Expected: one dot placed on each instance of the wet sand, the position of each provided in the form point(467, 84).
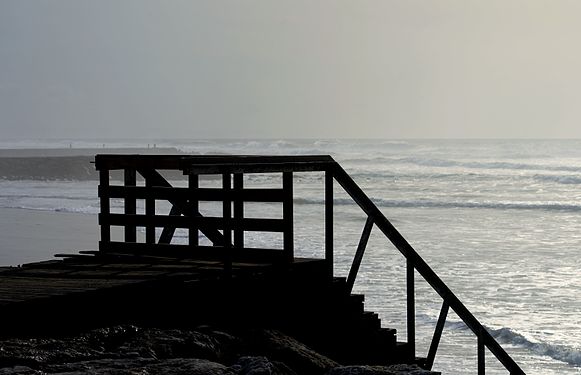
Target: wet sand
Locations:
point(29, 236)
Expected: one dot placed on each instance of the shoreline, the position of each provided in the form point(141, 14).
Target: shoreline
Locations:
point(33, 235)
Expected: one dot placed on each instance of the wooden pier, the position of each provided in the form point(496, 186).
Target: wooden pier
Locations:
point(140, 274)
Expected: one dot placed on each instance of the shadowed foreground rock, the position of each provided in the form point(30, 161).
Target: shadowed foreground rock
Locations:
point(131, 350)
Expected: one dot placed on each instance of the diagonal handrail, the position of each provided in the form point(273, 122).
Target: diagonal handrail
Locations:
point(417, 262)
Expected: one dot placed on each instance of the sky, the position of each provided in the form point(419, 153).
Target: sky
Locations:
point(290, 69)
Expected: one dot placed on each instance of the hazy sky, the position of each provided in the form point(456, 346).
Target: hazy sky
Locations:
point(302, 69)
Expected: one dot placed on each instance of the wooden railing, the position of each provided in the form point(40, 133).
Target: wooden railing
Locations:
point(227, 231)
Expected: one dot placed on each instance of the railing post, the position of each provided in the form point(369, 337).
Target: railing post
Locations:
point(227, 217)
point(287, 215)
point(193, 232)
point(359, 254)
point(329, 177)
point(437, 336)
point(411, 308)
point(481, 358)
point(150, 212)
point(130, 205)
point(105, 209)
point(238, 210)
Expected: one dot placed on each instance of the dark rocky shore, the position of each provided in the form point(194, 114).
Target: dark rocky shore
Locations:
point(205, 350)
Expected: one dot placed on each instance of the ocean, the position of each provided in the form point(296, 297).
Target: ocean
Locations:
point(498, 220)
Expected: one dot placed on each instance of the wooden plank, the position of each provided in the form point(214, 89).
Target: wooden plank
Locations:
point(329, 252)
point(199, 252)
point(259, 167)
point(160, 221)
point(194, 206)
point(203, 194)
point(411, 307)
point(130, 205)
point(481, 356)
point(287, 216)
point(149, 212)
point(181, 162)
point(168, 231)
point(437, 336)
point(227, 225)
point(238, 208)
point(359, 254)
point(105, 205)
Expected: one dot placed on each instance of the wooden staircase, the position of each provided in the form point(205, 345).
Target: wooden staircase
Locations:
point(229, 283)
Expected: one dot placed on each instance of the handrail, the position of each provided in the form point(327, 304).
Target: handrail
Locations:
point(416, 261)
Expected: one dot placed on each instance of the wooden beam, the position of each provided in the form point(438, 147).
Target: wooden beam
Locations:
point(130, 205)
point(287, 216)
point(203, 194)
point(329, 222)
point(238, 208)
point(437, 336)
point(105, 205)
point(194, 207)
point(359, 254)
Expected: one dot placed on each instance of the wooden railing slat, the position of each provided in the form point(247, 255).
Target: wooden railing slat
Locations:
point(203, 194)
point(160, 221)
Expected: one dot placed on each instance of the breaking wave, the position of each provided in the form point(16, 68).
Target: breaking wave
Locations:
point(558, 352)
point(432, 162)
point(509, 336)
point(420, 203)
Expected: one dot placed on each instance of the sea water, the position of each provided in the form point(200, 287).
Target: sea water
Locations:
point(498, 220)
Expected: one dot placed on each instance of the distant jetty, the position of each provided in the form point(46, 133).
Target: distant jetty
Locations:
point(63, 163)
point(140, 275)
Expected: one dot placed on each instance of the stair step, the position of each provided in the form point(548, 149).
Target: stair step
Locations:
point(370, 320)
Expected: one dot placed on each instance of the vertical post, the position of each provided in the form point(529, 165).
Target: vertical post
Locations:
point(130, 205)
point(329, 221)
point(287, 216)
point(193, 184)
point(150, 213)
point(359, 254)
point(437, 336)
point(411, 308)
point(227, 217)
point(105, 209)
point(238, 210)
point(481, 358)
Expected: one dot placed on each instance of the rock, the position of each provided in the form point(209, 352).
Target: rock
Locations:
point(118, 366)
point(260, 366)
point(172, 343)
point(279, 347)
point(190, 366)
point(20, 370)
point(380, 370)
point(175, 366)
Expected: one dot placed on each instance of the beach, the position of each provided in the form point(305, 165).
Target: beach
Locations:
point(33, 235)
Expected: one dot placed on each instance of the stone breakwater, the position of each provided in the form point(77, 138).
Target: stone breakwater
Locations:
point(131, 350)
point(62, 164)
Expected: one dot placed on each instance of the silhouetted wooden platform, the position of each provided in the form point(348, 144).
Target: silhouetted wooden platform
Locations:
point(83, 273)
point(58, 284)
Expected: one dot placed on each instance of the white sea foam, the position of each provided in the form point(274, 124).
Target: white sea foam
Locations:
point(561, 353)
